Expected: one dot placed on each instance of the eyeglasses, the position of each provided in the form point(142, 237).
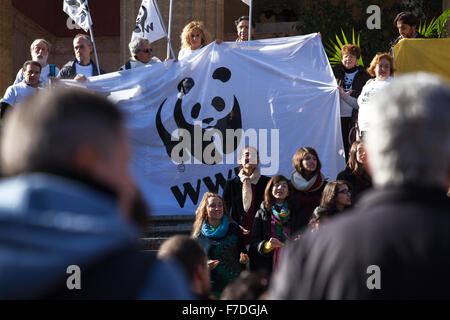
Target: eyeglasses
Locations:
point(146, 50)
point(346, 191)
point(384, 66)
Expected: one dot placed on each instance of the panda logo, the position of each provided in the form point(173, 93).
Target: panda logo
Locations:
point(206, 118)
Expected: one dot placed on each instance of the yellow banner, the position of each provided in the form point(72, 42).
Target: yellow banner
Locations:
point(430, 55)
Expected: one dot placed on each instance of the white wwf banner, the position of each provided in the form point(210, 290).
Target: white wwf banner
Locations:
point(78, 11)
point(189, 119)
point(148, 24)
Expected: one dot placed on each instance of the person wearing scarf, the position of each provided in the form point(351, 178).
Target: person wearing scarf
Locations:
point(307, 180)
point(244, 193)
point(277, 220)
point(222, 240)
point(351, 78)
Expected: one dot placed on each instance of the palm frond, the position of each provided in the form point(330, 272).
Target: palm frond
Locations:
point(333, 48)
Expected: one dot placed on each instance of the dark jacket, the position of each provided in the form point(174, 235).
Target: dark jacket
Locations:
point(50, 222)
point(321, 212)
point(69, 71)
point(227, 250)
point(404, 231)
point(358, 82)
point(232, 196)
point(308, 201)
point(262, 232)
point(358, 183)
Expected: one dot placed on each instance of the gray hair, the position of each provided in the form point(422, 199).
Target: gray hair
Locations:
point(409, 140)
point(35, 42)
point(46, 131)
point(135, 45)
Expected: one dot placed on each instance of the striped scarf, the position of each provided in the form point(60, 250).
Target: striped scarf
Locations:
point(280, 227)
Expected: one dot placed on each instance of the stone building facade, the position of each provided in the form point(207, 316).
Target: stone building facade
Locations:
point(22, 21)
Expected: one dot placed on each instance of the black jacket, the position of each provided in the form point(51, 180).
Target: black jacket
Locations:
point(358, 82)
point(232, 196)
point(262, 232)
point(358, 183)
point(69, 71)
point(404, 231)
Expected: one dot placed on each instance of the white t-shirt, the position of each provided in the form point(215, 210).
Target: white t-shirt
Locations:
point(17, 93)
point(84, 70)
point(44, 78)
point(368, 91)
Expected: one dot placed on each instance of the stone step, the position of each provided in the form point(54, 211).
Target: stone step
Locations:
point(151, 244)
point(168, 225)
point(163, 227)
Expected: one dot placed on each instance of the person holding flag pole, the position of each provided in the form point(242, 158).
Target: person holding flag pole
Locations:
point(250, 4)
point(78, 11)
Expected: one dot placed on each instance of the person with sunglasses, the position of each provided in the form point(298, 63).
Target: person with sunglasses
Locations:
point(336, 197)
point(141, 54)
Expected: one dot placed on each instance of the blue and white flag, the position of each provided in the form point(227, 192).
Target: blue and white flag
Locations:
point(78, 11)
point(148, 24)
point(188, 120)
point(247, 2)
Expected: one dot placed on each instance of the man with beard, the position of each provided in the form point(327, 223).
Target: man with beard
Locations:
point(40, 49)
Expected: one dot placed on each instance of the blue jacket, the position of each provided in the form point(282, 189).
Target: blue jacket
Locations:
point(48, 223)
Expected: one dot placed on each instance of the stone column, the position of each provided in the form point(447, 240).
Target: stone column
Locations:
point(6, 43)
point(128, 13)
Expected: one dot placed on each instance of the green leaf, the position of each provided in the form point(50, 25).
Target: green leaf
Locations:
point(334, 48)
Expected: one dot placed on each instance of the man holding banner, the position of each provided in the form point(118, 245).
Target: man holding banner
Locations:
point(82, 66)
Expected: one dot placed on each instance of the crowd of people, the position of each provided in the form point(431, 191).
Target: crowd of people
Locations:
point(296, 237)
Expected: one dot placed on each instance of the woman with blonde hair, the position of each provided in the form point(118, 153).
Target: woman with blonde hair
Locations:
point(222, 240)
point(194, 36)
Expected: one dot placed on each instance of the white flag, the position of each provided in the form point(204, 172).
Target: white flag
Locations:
point(148, 24)
point(79, 12)
point(247, 2)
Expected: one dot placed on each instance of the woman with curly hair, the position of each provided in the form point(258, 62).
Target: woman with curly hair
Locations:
point(351, 78)
point(355, 172)
point(194, 36)
point(382, 68)
point(222, 240)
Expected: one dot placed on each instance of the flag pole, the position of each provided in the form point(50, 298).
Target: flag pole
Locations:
point(92, 36)
point(250, 21)
point(155, 3)
point(170, 27)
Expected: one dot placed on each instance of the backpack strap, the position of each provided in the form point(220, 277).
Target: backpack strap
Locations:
point(52, 70)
